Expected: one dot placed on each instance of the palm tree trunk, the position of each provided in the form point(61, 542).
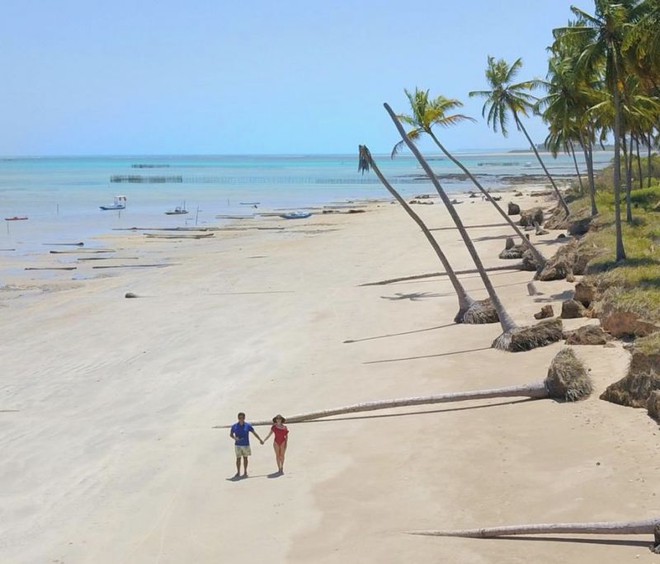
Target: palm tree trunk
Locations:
point(577, 168)
point(534, 391)
point(627, 165)
point(562, 202)
point(646, 526)
point(649, 161)
point(464, 300)
point(639, 163)
point(620, 250)
point(505, 319)
point(538, 257)
point(588, 157)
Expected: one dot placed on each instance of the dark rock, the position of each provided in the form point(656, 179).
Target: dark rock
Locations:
point(585, 292)
point(514, 209)
point(570, 309)
point(653, 405)
point(130, 295)
point(512, 253)
point(587, 335)
point(530, 217)
point(509, 243)
point(529, 262)
point(546, 311)
point(561, 236)
point(579, 227)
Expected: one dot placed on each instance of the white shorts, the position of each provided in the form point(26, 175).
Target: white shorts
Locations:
point(242, 451)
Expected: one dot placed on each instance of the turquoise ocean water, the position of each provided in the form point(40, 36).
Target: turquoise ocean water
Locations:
point(61, 196)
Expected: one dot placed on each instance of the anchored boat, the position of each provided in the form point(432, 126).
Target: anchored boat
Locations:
point(119, 204)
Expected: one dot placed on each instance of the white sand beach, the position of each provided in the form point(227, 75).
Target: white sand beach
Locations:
point(107, 404)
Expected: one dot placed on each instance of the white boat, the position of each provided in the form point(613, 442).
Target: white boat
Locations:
point(179, 210)
point(119, 204)
point(295, 215)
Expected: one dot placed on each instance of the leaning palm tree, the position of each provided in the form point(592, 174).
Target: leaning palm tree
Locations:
point(427, 114)
point(506, 96)
point(567, 381)
point(513, 337)
point(469, 310)
point(646, 526)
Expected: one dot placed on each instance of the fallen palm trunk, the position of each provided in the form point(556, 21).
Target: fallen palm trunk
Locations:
point(132, 265)
point(81, 244)
point(187, 236)
point(50, 268)
point(647, 526)
point(567, 380)
point(83, 251)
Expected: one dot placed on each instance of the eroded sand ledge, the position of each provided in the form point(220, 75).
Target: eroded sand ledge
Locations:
point(110, 456)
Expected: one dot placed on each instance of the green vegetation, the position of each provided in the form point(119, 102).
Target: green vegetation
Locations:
point(634, 283)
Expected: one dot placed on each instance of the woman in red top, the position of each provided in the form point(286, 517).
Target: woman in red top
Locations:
point(281, 439)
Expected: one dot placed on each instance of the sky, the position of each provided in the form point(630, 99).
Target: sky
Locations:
point(261, 77)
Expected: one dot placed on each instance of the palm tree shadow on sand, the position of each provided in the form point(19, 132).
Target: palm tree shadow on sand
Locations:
point(450, 353)
point(399, 334)
point(416, 413)
point(414, 296)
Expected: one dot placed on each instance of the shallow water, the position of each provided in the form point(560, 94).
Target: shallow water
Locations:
point(61, 196)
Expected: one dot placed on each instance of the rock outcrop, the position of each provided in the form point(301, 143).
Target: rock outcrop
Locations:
point(570, 309)
point(546, 312)
point(642, 379)
point(530, 217)
point(587, 335)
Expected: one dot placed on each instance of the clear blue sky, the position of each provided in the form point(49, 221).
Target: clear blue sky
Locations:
point(220, 77)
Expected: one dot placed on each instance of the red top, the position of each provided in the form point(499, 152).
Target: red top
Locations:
point(280, 433)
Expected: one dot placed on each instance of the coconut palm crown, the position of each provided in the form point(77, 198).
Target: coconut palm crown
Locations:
point(508, 98)
point(428, 113)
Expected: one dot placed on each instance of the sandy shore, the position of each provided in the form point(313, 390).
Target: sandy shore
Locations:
point(107, 405)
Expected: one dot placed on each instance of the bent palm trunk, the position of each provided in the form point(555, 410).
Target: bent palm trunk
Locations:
point(538, 257)
point(596, 528)
point(464, 300)
point(562, 202)
point(505, 319)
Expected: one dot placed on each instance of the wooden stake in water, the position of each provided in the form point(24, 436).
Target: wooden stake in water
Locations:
point(196, 215)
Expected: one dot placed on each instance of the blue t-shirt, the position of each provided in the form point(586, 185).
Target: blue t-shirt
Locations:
point(242, 432)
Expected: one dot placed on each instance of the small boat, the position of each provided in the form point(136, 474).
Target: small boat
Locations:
point(16, 218)
point(295, 215)
point(119, 204)
point(179, 210)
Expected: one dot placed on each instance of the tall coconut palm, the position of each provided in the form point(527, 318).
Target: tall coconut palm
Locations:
point(427, 114)
point(566, 106)
point(469, 310)
point(507, 97)
point(602, 35)
point(507, 323)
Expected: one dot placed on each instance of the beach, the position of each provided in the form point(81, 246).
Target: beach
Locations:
point(109, 405)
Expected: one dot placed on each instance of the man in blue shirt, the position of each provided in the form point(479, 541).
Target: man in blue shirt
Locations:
point(240, 434)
